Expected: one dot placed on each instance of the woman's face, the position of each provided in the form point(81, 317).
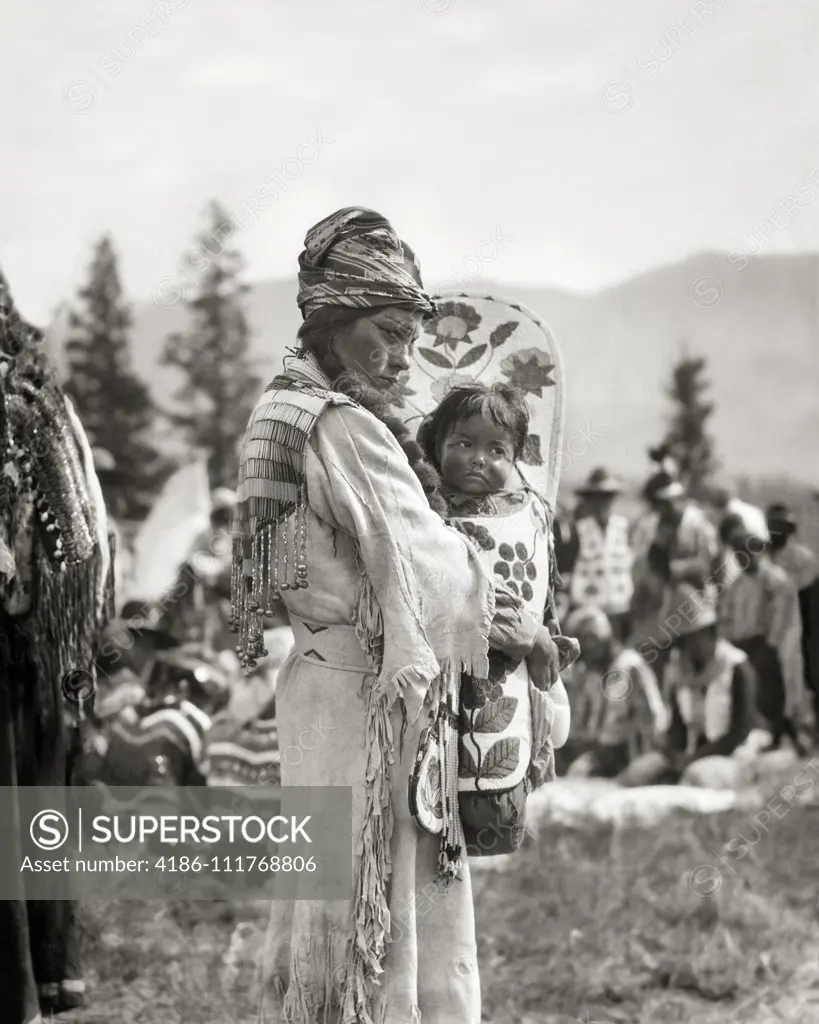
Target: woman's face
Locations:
point(378, 347)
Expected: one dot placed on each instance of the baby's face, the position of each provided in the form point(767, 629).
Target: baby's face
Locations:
point(477, 457)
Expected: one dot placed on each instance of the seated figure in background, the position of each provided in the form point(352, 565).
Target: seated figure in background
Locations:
point(712, 694)
point(617, 709)
point(242, 745)
point(131, 643)
point(161, 740)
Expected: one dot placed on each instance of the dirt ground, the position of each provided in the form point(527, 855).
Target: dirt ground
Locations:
point(659, 926)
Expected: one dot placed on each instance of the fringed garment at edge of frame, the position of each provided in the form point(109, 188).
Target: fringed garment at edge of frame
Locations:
point(270, 555)
point(45, 465)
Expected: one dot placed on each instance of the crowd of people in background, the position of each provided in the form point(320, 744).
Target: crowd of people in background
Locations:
point(698, 623)
point(699, 628)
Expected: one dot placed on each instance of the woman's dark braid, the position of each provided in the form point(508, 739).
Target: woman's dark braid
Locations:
point(375, 402)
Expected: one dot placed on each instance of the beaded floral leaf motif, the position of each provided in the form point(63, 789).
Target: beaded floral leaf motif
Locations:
point(501, 759)
point(496, 716)
point(502, 333)
point(531, 451)
point(470, 357)
point(477, 692)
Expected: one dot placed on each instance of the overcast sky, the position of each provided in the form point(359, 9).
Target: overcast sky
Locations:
point(458, 119)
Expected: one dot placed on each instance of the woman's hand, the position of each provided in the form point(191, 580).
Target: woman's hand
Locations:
point(544, 659)
point(513, 630)
point(568, 649)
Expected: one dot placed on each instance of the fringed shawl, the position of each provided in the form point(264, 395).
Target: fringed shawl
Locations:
point(267, 556)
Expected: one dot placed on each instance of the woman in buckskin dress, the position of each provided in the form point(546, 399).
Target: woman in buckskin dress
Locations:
point(339, 512)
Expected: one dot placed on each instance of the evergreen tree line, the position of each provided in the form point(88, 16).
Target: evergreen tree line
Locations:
point(219, 385)
point(687, 440)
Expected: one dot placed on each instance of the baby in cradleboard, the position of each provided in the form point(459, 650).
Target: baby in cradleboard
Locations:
point(511, 722)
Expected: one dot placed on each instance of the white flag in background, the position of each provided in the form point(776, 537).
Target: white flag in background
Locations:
point(180, 514)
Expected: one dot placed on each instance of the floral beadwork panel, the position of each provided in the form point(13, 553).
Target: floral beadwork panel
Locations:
point(495, 715)
point(484, 339)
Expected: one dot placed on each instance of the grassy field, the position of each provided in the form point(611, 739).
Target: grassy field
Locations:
point(592, 925)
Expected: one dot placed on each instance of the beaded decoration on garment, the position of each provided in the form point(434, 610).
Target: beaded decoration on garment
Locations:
point(54, 591)
point(270, 525)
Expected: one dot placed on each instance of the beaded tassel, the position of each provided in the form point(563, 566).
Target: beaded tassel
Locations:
point(301, 527)
point(276, 587)
point(286, 583)
point(269, 547)
point(452, 838)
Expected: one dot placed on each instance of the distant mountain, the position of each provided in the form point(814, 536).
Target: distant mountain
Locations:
point(757, 326)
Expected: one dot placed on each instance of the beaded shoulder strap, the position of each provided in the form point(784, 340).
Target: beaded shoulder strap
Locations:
point(270, 525)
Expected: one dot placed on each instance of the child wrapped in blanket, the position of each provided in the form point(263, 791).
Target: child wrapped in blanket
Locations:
point(510, 723)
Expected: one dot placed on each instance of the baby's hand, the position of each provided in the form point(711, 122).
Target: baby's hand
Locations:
point(568, 650)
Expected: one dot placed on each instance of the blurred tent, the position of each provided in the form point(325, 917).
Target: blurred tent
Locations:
point(180, 514)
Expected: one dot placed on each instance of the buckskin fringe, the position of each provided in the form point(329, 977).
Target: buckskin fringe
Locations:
point(371, 910)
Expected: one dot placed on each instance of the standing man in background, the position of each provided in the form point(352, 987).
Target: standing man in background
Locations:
point(675, 543)
point(601, 573)
point(759, 614)
point(800, 563)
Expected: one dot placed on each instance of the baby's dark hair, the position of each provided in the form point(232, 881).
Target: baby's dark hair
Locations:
point(504, 404)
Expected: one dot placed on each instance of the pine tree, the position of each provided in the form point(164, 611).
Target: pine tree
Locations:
point(220, 386)
point(687, 438)
point(113, 403)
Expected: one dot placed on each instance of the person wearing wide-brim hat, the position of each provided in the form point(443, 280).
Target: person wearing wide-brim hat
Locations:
point(601, 573)
point(600, 484)
point(711, 687)
point(800, 563)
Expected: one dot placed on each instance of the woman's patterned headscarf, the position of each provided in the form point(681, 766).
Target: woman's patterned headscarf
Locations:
point(354, 258)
